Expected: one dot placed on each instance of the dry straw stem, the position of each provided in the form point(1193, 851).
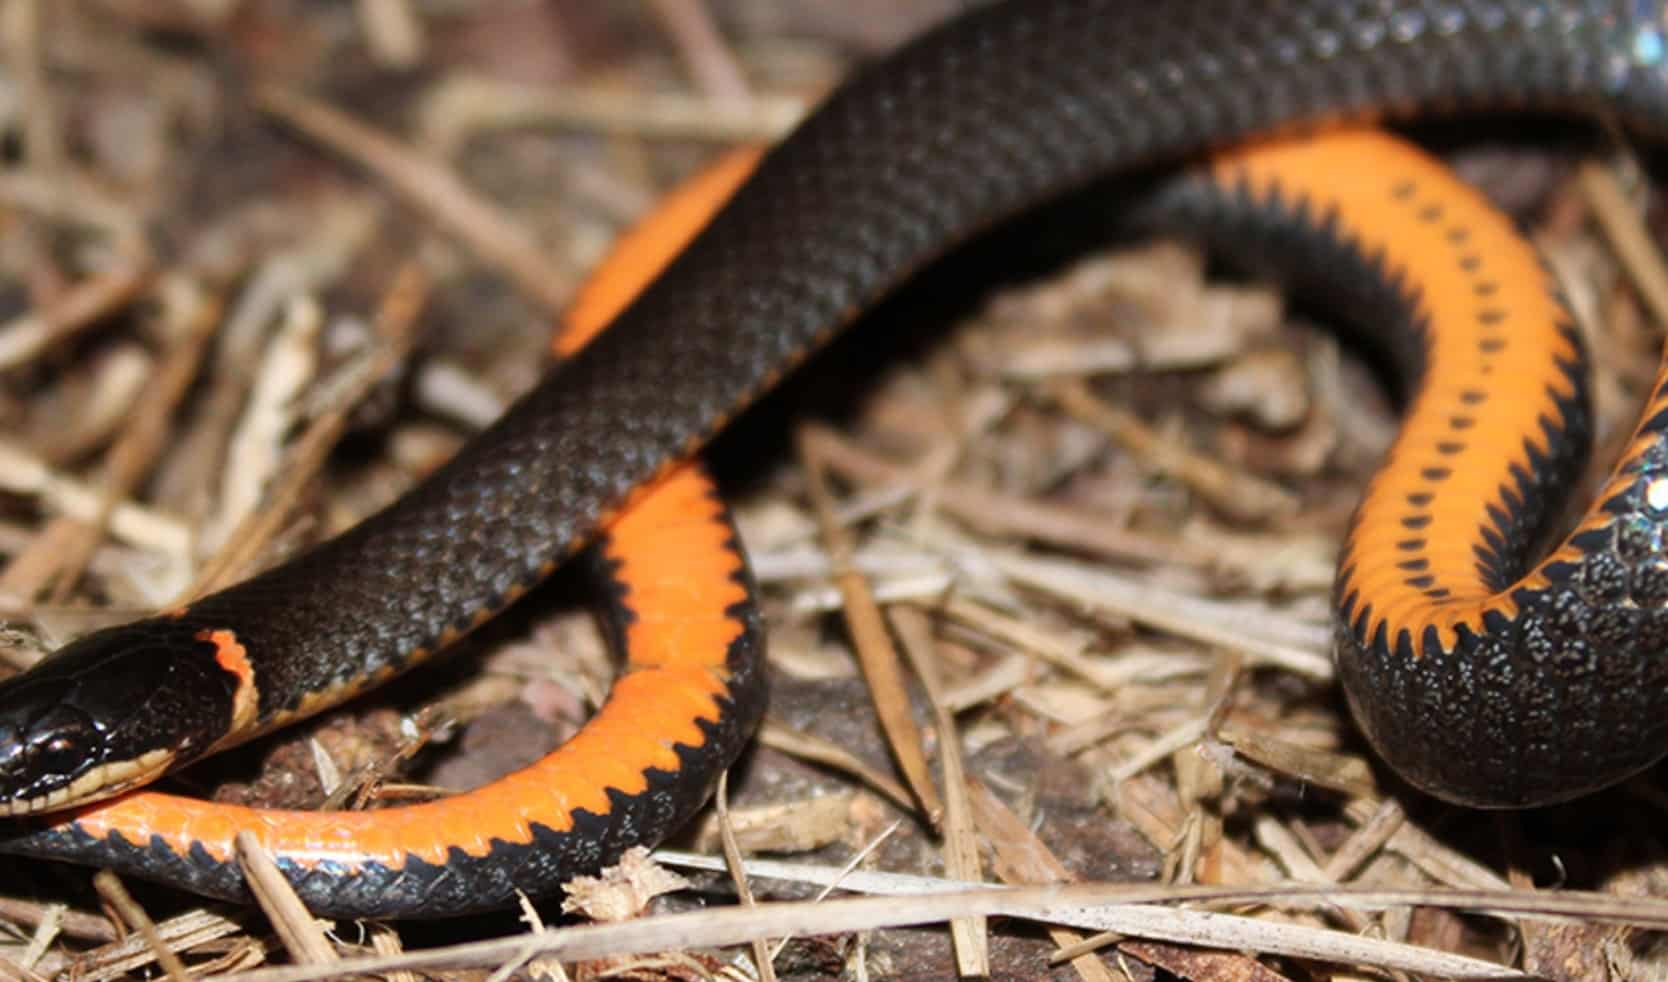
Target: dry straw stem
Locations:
point(110, 889)
point(40, 940)
point(395, 321)
point(27, 336)
point(26, 474)
point(185, 933)
point(272, 407)
point(136, 449)
point(1234, 492)
point(71, 923)
point(385, 941)
point(1155, 809)
point(30, 569)
point(1254, 629)
point(1381, 824)
point(1628, 238)
point(997, 514)
point(1063, 651)
point(74, 199)
point(116, 381)
point(296, 928)
point(1311, 766)
point(805, 746)
point(465, 106)
point(762, 958)
point(1118, 908)
point(430, 188)
point(708, 59)
point(21, 41)
point(1283, 843)
point(870, 639)
point(393, 32)
point(65, 197)
point(1022, 858)
point(961, 841)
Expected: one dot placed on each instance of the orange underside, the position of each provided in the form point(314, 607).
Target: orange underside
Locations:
point(1495, 339)
point(674, 559)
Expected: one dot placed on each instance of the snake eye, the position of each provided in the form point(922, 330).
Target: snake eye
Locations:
point(60, 743)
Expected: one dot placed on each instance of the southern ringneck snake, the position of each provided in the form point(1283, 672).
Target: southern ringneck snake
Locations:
point(1476, 676)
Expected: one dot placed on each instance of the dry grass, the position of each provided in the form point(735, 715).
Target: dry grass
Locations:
point(264, 264)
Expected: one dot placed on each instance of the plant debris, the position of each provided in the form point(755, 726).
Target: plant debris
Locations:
point(265, 264)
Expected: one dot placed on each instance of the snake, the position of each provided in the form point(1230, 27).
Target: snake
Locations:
point(1477, 672)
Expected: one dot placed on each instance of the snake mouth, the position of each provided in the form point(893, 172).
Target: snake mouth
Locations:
point(94, 784)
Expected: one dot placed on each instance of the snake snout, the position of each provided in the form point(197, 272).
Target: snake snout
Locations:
point(109, 712)
point(46, 746)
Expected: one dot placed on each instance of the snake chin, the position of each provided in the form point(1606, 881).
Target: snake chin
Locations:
point(93, 785)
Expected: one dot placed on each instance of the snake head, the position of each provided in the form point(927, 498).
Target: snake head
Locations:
point(109, 712)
